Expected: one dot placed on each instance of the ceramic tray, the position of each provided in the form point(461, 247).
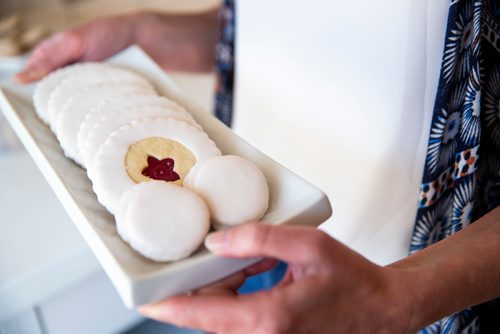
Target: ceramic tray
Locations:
point(137, 279)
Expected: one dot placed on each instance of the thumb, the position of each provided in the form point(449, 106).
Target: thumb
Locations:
point(56, 51)
point(291, 244)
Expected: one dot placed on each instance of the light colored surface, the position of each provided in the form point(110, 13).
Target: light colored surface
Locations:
point(92, 307)
point(25, 322)
point(41, 252)
point(136, 279)
point(342, 93)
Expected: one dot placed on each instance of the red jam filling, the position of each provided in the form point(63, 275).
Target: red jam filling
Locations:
point(161, 169)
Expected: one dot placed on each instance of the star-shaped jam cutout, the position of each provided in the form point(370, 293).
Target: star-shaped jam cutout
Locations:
point(161, 169)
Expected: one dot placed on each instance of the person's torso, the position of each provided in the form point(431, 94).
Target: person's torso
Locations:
point(342, 93)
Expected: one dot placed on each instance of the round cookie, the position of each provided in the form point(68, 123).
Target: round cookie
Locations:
point(155, 148)
point(77, 80)
point(112, 104)
point(45, 86)
point(111, 121)
point(69, 120)
point(121, 213)
point(191, 176)
point(234, 188)
point(162, 221)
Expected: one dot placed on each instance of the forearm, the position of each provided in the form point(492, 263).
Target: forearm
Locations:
point(455, 273)
point(191, 38)
point(175, 42)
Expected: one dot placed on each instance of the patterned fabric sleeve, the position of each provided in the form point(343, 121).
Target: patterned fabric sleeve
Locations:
point(224, 58)
point(461, 180)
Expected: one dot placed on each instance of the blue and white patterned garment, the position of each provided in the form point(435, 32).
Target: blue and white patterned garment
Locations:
point(461, 180)
point(224, 58)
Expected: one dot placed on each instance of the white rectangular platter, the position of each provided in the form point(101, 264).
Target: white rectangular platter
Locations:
point(138, 280)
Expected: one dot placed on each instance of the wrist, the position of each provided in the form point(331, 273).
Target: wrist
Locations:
point(453, 274)
point(422, 294)
point(399, 307)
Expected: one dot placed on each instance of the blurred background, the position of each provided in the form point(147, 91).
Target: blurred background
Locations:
point(50, 282)
point(23, 23)
point(60, 14)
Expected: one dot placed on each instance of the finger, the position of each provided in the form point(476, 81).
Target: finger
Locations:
point(288, 243)
point(30, 75)
point(236, 280)
point(231, 282)
point(59, 50)
point(215, 291)
point(261, 266)
point(286, 279)
point(215, 311)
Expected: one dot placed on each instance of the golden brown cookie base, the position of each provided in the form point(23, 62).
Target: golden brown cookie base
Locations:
point(136, 159)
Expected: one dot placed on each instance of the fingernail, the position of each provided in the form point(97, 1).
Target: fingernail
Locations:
point(143, 309)
point(149, 310)
point(37, 74)
point(30, 75)
point(217, 241)
point(20, 78)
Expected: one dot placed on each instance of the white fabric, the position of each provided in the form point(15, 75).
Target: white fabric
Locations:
point(342, 93)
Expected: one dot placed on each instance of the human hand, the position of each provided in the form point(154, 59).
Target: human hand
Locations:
point(327, 288)
point(93, 41)
point(184, 43)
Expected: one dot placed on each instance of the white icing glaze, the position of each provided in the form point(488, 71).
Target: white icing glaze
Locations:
point(111, 121)
point(162, 221)
point(45, 87)
point(234, 188)
point(191, 176)
point(108, 173)
point(121, 214)
point(77, 80)
point(74, 110)
point(112, 104)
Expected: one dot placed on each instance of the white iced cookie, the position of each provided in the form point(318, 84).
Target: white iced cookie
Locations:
point(120, 215)
point(113, 104)
point(68, 122)
point(77, 80)
point(191, 176)
point(110, 122)
point(156, 148)
point(162, 221)
point(234, 188)
point(45, 87)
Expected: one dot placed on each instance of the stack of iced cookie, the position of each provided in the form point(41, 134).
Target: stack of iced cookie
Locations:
point(150, 163)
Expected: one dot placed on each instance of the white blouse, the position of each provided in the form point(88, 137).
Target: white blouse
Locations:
point(342, 93)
